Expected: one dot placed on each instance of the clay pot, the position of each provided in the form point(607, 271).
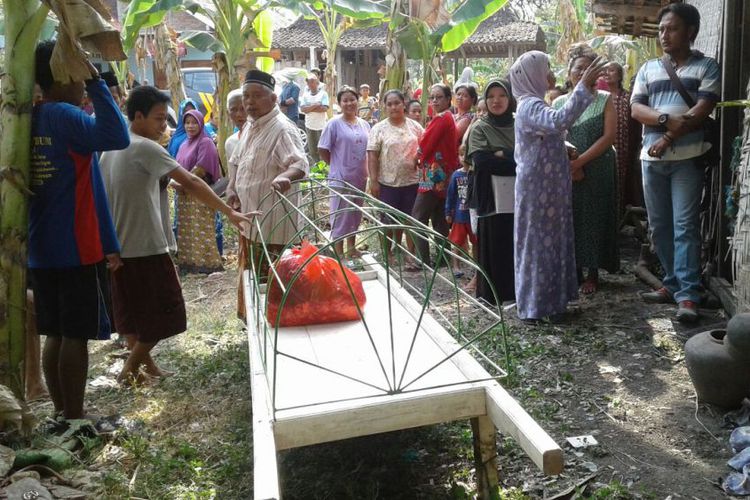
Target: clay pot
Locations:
point(719, 375)
point(738, 336)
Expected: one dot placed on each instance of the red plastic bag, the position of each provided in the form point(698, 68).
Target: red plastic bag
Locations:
point(320, 293)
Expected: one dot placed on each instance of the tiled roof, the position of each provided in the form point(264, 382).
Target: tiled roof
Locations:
point(501, 28)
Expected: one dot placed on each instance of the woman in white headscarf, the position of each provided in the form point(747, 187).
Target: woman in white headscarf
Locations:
point(544, 246)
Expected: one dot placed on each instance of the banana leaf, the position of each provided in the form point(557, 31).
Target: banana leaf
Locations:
point(148, 13)
point(263, 28)
point(202, 40)
point(465, 20)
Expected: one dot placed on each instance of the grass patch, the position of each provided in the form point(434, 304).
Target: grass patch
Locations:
point(193, 436)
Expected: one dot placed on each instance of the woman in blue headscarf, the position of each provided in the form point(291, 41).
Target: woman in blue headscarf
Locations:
point(179, 135)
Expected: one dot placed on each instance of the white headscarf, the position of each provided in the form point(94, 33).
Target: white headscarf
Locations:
point(467, 78)
point(232, 94)
point(528, 75)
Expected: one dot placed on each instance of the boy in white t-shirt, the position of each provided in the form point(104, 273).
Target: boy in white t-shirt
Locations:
point(147, 298)
point(314, 104)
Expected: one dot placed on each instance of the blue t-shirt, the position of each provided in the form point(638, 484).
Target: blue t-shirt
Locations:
point(457, 196)
point(290, 90)
point(69, 220)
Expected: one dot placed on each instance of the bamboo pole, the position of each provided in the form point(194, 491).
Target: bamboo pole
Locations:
point(23, 23)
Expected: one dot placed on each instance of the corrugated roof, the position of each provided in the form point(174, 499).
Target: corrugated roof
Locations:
point(501, 28)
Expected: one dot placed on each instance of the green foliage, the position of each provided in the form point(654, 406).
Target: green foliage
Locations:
point(613, 491)
point(202, 40)
point(466, 19)
point(320, 170)
point(513, 494)
point(148, 13)
point(357, 9)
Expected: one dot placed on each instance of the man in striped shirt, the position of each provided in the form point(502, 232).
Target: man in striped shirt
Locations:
point(673, 141)
point(268, 158)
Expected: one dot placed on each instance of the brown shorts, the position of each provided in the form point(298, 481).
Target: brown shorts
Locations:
point(147, 298)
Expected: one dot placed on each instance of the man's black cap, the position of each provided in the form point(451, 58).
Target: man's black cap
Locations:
point(260, 77)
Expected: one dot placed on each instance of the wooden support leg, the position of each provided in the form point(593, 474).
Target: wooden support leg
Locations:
point(485, 457)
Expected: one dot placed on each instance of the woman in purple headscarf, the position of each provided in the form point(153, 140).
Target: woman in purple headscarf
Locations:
point(544, 246)
point(196, 238)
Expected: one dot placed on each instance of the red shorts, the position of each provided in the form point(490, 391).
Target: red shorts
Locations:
point(460, 231)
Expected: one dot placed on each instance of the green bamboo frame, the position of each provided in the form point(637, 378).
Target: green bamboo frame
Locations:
point(305, 207)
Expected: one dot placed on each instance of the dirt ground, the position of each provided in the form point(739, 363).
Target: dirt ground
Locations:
point(617, 373)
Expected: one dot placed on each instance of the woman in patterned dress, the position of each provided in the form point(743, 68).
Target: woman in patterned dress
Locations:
point(392, 160)
point(466, 99)
point(544, 251)
point(629, 189)
point(594, 179)
point(196, 235)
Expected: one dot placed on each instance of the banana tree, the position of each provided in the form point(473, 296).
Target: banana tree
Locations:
point(166, 59)
point(426, 33)
point(238, 27)
point(395, 60)
point(24, 20)
point(334, 17)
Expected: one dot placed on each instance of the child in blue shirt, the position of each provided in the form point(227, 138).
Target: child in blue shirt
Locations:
point(457, 213)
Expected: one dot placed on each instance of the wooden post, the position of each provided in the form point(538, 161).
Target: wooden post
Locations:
point(485, 457)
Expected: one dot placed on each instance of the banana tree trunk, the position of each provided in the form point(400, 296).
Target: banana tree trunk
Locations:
point(166, 58)
point(426, 84)
point(395, 58)
point(330, 75)
point(226, 80)
point(23, 23)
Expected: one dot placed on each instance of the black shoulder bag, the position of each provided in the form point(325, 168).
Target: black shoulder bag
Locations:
point(710, 128)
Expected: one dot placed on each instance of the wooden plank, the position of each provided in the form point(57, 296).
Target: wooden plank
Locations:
point(723, 289)
point(647, 11)
point(347, 349)
point(464, 361)
point(513, 420)
point(363, 417)
point(485, 456)
point(265, 471)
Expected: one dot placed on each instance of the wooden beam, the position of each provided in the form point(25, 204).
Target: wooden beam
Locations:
point(485, 457)
point(512, 419)
point(363, 417)
point(604, 9)
point(265, 471)
point(724, 290)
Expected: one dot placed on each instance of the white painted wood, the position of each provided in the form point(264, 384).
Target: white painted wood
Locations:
point(513, 420)
point(311, 405)
point(508, 416)
point(346, 348)
point(323, 423)
point(265, 472)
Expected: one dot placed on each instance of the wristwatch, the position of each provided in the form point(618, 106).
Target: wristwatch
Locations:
point(663, 119)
